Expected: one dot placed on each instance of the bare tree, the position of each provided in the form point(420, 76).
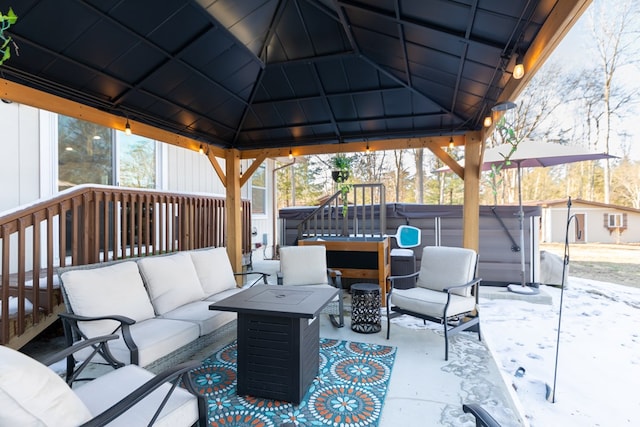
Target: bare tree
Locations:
point(418, 155)
point(616, 37)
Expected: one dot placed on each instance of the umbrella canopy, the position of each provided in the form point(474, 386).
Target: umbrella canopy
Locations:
point(538, 154)
point(535, 154)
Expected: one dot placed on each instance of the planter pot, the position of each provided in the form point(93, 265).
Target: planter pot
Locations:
point(340, 176)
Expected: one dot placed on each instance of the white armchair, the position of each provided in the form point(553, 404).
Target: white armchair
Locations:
point(307, 266)
point(32, 394)
point(446, 291)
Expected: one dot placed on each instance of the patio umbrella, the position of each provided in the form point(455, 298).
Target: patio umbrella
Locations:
point(533, 154)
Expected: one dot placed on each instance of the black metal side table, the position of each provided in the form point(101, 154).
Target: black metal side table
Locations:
point(365, 308)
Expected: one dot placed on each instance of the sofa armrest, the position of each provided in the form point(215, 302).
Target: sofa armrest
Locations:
point(71, 330)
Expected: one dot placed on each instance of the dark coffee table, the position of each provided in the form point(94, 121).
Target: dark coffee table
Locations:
point(278, 338)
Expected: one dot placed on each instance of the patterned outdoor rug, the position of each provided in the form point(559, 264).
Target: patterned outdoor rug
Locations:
point(349, 390)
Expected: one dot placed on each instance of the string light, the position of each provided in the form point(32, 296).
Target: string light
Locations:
point(367, 149)
point(127, 128)
point(451, 145)
point(201, 149)
point(488, 121)
point(290, 154)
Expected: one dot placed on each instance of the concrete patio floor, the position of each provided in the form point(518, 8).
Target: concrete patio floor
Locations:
point(426, 390)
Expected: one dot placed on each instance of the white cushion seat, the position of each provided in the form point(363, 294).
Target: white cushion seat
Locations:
point(198, 313)
point(105, 391)
point(429, 302)
point(155, 338)
point(31, 394)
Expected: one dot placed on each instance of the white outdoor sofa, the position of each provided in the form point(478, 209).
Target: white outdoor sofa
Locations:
point(158, 305)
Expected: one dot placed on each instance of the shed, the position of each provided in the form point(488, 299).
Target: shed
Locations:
point(595, 222)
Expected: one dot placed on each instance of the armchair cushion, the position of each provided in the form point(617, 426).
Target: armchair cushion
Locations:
point(443, 267)
point(31, 394)
point(172, 281)
point(113, 290)
point(429, 302)
point(303, 265)
point(105, 391)
point(214, 270)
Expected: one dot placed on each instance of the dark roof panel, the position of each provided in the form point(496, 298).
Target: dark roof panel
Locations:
point(263, 73)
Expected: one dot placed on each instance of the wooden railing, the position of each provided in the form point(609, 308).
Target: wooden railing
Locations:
point(89, 224)
point(366, 214)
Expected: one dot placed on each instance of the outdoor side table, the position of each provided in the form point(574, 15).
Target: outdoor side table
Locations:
point(365, 308)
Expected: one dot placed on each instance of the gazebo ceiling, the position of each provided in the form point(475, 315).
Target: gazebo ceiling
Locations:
point(254, 74)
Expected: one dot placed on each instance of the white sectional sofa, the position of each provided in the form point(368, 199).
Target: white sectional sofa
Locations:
point(159, 305)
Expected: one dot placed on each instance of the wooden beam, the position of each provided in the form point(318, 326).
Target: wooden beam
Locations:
point(250, 171)
point(216, 166)
point(38, 99)
point(353, 147)
point(233, 208)
point(473, 149)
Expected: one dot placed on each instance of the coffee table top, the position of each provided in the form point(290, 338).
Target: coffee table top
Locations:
point(282, 301)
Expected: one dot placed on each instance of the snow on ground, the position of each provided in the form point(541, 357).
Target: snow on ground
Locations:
point(598, 370)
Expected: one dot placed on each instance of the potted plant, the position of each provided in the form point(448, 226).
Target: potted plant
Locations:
point(341, 166)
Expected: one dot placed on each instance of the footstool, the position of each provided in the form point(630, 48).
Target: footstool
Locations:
point(365, 308)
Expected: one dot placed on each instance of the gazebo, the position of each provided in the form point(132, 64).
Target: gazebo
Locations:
point(258, 79)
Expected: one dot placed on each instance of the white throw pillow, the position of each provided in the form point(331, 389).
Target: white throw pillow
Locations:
point(172, 281)
point(214, 270)
point(114, 289)
point(31, 394)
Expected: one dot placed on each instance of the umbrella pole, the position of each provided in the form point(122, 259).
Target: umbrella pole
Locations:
point(523, 288)
point(523, 274)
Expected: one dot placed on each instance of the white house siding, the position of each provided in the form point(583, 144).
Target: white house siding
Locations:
point(189, 171)
point(20, 155)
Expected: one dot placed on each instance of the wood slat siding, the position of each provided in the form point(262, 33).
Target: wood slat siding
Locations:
point(90, 224)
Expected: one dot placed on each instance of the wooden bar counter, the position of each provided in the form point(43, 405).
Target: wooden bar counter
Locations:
point(358, 258)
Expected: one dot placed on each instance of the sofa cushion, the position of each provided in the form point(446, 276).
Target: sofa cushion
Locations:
point(155, 338)
point(214, 270)
point(31, 394)
point(171, 280)
point(105, 391)
point(198, 313)
point(110, 290)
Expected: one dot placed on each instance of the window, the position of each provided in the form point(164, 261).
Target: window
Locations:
point(85, 153)
point(259, 191)
point(136, 161)
point(615, 220)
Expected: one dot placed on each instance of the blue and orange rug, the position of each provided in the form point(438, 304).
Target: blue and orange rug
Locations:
point(349, 390)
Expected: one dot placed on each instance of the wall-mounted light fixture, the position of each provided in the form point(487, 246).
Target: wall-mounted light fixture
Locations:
point(127, 128)
point(518, 70)
point(488, 121)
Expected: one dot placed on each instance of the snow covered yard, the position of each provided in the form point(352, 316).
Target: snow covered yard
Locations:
point(598, 360)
